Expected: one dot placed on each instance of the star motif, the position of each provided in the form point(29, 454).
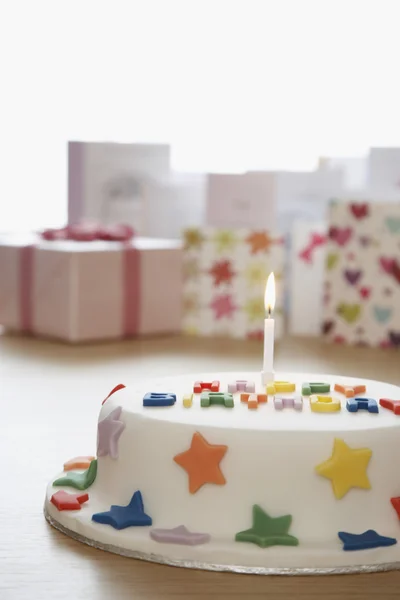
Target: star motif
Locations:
point(222, 272)
point(179, 535)
point(201, 462)
point(267, 531)
point(80, 462)
point(257, 334)
point(347, 468)
point(254, 307)
point(225, 240)
point(259, 241)
point(256, 274)
point(364, 541)
point(79, 481)
point(191, 330)
point(191, 269)
point(65, 501)
point(191, 304)
point(120, 517)
point(193, 238)
point(109, 431)
point(223, 306)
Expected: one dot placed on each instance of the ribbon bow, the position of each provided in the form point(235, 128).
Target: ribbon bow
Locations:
point(90, 232)
point(315, 241)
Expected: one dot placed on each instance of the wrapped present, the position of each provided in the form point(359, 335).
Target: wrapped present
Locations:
point(174, 206)
point(225, 274)
point(306, 275)
point(106, 180)
point(362, 277)
point(81, 291)
point(384, 169)
point(272, 200)
point(241, 200)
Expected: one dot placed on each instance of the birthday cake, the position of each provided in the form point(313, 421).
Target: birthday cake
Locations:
point(220, 472)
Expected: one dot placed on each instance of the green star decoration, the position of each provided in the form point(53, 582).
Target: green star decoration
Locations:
point(267, 531)
point(225, 240)
point(255, 309)
point(80, 481)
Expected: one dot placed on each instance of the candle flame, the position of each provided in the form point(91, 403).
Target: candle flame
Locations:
point(269, 298)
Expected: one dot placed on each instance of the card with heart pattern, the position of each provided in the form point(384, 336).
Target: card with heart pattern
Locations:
point(362, 269)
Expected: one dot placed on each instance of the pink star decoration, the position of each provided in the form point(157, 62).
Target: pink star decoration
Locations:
point(223, 306)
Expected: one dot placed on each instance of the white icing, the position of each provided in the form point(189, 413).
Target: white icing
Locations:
point(270, 461)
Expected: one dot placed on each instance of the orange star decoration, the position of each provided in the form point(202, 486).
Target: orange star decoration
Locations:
point(193, 238)
point(259, 241)
point(201, 462)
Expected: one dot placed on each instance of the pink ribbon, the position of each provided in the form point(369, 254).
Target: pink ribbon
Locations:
point(89, 232)
point(315, 241)
point(131, 278)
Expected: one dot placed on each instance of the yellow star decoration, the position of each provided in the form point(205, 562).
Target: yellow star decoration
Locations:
point(255, 309)
point(256, 274)
point(191, 269)
point(347, 468)
point(190, 330)
point(193, 238)
point(225, 240)
point(190, 304)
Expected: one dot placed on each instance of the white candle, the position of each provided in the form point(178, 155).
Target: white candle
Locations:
point(269, 331)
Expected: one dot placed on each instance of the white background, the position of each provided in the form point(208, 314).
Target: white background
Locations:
point(231, 84)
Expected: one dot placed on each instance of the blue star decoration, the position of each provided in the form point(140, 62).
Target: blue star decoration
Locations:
point(120, 517)
point(268, 531)
point(364, 541)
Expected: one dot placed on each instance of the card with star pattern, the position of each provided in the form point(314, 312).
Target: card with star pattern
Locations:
point(362, 274)
point(225, 273)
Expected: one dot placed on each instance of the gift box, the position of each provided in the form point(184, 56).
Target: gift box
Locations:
point(87, 291)
point(271, 200)
point(225, 274)
point(106, 180)
point(362, 276)
point(241, 200)
point(176, 205)
point(306, 275)
point(384, 169)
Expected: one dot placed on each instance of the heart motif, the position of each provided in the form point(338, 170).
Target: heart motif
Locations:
point(396, 271)
point(394, 337)
point(365, 292)
point(382, 313)
point(331, 261)
point(393, 224)
point(340, 235)
point(360, 211)
point(349, 312)
point(387, 264)
point(327, 327)
point(352, 276)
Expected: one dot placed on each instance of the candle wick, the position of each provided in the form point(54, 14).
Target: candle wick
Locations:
point(269, 311)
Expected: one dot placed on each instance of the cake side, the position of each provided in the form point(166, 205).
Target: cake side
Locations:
point(271, 458)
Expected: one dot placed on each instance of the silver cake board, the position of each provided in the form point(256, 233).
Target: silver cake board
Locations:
point(191, 564)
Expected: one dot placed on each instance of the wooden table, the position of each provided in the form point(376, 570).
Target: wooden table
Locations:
point(50, 398)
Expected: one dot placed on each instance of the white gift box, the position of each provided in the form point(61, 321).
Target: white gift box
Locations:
point(270, 200)
point(384, 169)
point(175, 205)
point(106, 180)
point(307, 269)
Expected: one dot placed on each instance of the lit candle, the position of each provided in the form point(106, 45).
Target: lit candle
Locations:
point(267, 374)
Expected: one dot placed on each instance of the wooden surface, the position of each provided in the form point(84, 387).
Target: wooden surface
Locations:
point(50, 398)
